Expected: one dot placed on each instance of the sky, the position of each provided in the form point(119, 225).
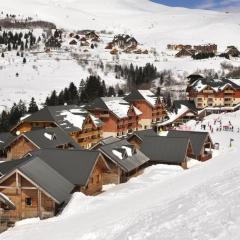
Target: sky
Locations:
point(204, 4)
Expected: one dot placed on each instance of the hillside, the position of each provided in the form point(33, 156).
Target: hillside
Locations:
point(153, 25)
point(166, 202)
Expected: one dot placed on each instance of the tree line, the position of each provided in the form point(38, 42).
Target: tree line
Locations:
point(137, 77)
point(89, 89)
point(10, 118)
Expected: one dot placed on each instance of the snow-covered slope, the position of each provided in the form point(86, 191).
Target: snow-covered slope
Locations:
point(153, 23)
point(164, 203)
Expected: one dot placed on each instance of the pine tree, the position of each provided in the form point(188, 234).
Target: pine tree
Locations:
point(111, 92)
point(103, 90)
point(24, 60)
point(73, 94)
point(53, 99)
point(2, 55)
point(33, 107)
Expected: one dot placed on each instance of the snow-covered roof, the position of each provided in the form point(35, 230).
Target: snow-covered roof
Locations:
point(174, 116)
point(215, 84)
point(148, 96)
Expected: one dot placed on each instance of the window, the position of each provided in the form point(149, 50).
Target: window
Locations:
point(98, 178)
point(28, 201)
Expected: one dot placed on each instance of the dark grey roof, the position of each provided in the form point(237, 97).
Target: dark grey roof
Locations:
point(189, 104)
point(50, 138)
point(165, 149)
point(143, 133)
point(105, 141)
point(133, 96)
point(197, 139)
point(56, 114)
point(74, 165)
point(97, 103)
point(56, 171)
point(8, 166)
point(5, 137)
point(47, 178)
point(126, 162)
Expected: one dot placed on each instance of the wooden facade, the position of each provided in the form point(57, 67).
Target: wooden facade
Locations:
point(115, 126)
point(30, 200)
point(19, 148)
point(208, 97)
point(150, 114)
point(86, 137)
point(89, 135)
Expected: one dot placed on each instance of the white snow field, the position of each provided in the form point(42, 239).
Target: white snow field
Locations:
point(165, 203)
point(153, 25)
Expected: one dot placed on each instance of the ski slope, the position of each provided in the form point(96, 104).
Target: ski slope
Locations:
point(153, 25)
point(165, 203)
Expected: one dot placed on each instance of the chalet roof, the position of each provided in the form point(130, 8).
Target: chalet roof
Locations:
point(48, 138)
point(143, 133)
point(189, 104)
point(197, 139)
point(216, 84)
point(75, 165)
point(70, 118)
point(146, 95)
point(5, 137)
point(124, 155)
point(105, 141)
point(165, 149)
point(46, 177)
point(179, 108)
point(118, 106)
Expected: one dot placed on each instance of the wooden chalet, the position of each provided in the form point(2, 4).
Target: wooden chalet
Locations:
point(42, 183)
point(73, 42)
point(118, 116)
point(185, 53)
point(152, 107)
point(137, 137)
point(51, 138)
point(202, 143)
point(82, 126)
point(232, 51)
point(181, 112)
point(167, 150)
point(92, 35)
point(124, 160)
point(123, 41)
point(5, 137)
point(214, 94)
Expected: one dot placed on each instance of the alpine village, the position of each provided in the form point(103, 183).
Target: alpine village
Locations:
point(100, 135)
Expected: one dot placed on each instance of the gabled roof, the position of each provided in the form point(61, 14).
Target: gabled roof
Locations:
point(146, 95)
point(179, 108)
point(105, 141)
point(46, 177)
point(215, 84)
point(56, 171)
point(197, 139)
point(122, 153)
point(143, 133)
point(5, 138)
point(165, 149)
point(70, 117)
point(74, 165)
point(47, 138)
point(189, 104)
point(118, 106)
